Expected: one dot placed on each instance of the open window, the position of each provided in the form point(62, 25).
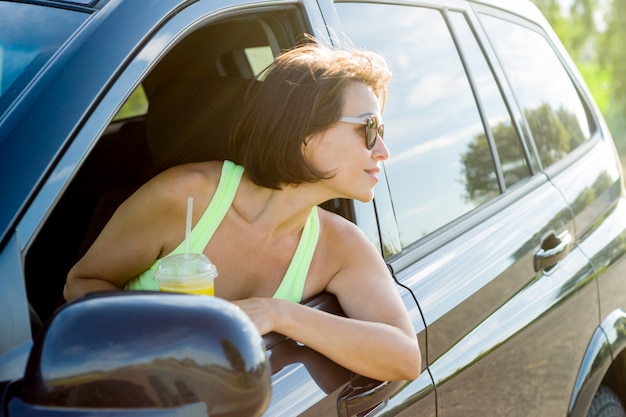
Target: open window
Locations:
point(181, 112)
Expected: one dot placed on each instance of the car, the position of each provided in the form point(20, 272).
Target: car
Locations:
point(501, 212)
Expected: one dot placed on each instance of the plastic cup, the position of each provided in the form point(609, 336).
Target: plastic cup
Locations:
point(191, 273)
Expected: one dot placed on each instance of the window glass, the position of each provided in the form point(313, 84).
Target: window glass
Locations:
point(259, 58)
point(506, 139)
point(29, 36)
point(552, 107)
point(432, 125)
point(136, 105)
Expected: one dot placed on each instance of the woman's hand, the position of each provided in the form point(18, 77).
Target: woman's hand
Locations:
point(262, 312)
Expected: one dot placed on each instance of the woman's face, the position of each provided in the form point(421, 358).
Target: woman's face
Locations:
point(342, 150)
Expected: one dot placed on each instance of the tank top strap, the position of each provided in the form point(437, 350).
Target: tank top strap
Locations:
point(292, 286)
point(215, 212)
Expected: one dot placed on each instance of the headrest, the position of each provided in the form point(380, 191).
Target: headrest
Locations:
point(189, 119)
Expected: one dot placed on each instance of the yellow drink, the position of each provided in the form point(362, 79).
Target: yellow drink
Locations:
point(189, 289)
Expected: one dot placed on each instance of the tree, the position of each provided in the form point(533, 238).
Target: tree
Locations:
point(576, 29)
point(612, 56)
point(581, 25)
point(551, 9)
point(604, 69)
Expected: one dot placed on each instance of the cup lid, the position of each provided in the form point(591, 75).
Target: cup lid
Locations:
point(185, 266)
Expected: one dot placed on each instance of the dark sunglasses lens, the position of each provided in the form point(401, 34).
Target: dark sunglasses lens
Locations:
point(371, 132)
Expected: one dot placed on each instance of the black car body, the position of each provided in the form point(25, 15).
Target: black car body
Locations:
point(501, 211)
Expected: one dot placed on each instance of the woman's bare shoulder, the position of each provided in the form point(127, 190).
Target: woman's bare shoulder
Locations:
point(336, 226)
point(190, 174)
point(196, 180)
point(341, 238)
point(352, 257)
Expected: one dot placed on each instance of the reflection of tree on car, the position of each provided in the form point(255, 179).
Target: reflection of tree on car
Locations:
point(556, 133)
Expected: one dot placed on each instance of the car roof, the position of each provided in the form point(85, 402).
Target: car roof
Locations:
point(523, 8)
point(77, 4)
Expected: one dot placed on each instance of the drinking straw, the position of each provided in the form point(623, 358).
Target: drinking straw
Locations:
point(188, 223)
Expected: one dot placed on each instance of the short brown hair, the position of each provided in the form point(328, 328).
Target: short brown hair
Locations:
point(302, 95)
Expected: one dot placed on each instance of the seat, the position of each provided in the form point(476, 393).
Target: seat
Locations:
point(189, 119)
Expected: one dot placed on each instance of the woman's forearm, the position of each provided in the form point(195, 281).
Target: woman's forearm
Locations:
point(371, 349)
point(376, 350)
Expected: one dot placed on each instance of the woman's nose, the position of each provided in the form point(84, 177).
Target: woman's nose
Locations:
point(380, 150)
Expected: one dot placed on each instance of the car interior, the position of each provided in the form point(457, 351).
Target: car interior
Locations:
point(193, 94)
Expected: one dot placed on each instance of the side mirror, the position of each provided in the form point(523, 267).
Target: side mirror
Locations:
point(149, 350)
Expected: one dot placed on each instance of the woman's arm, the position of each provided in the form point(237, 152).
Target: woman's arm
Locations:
point(148, 225)
point(376, 339)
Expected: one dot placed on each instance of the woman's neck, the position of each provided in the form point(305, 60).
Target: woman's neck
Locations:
point(280, 212)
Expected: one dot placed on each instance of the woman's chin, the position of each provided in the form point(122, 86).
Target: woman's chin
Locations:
point(365, 198)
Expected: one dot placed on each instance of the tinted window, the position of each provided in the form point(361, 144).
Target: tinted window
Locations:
point(505, 137)
point(432, 125)
point(555, 114)
point(29, 35)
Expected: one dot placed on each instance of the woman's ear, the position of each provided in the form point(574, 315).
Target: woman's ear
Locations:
point(310, 139)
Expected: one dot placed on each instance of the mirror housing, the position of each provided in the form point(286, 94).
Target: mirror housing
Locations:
point(149, 350)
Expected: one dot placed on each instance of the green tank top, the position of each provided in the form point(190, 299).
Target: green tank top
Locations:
point(292, 285)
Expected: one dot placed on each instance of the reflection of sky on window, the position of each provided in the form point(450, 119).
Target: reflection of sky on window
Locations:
point(527, 72)
point(430, 115)
point(454, 143)
point(489, 92)
point(428, 185)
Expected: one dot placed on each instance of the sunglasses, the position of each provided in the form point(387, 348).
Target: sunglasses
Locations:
point(372, 128)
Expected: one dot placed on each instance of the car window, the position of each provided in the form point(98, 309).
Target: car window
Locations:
point(507, 142)
point(441, 163)
point(259, 58)
point(135, 105)
point(24, 52)
point(556, 116)
point(193, 91)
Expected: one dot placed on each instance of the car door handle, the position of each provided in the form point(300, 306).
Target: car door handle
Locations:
point(364, 396)
point(553, 249)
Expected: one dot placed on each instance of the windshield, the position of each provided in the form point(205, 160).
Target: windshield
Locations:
point(29, 35)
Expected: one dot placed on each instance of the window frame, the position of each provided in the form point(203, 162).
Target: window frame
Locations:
point(49, 198)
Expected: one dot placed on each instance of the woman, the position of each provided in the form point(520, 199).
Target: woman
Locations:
point(311, 132)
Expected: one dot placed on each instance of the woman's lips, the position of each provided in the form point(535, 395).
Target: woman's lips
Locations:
point(373, 172)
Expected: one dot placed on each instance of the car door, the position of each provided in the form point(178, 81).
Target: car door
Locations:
point(586, 169)
point(472, 226)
